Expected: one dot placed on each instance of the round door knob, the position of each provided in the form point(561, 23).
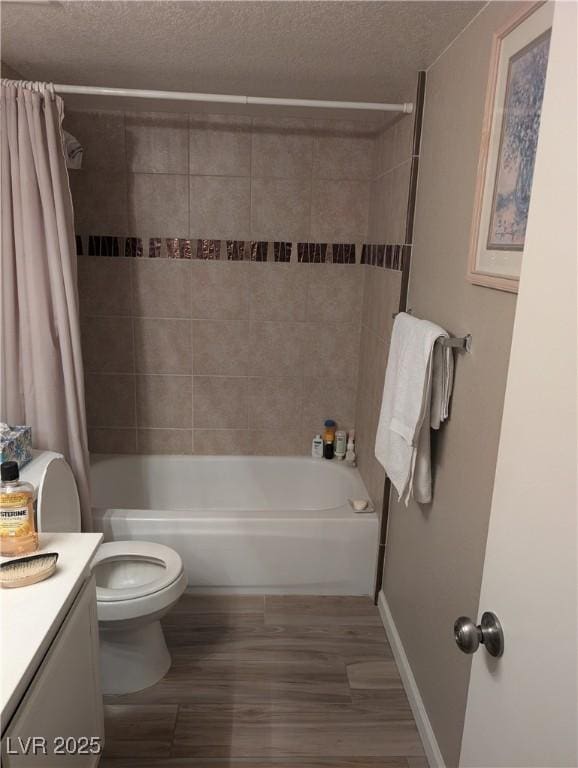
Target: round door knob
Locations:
point(468, 636)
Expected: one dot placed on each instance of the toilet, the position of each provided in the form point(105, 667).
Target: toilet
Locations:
point(137, 583)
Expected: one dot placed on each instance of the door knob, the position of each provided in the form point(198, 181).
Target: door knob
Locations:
point(489, 632)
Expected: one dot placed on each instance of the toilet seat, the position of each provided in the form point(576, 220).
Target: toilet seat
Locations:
point(166, 568)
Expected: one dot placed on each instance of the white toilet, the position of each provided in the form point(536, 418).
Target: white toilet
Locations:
point(137, 582)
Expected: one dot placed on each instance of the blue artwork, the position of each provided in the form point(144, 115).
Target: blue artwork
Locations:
point(518, 142)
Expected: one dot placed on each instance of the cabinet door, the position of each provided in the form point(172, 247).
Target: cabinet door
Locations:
point(63, 705)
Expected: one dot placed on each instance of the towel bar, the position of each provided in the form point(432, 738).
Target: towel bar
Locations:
point(463, 343)
point(458, 342)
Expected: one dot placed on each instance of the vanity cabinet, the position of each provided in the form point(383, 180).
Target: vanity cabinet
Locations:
point(58, 721)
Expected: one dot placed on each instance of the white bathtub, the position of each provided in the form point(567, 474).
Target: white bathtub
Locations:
point(244, 524)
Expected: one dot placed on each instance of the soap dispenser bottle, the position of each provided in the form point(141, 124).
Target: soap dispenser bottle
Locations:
point(17, 532)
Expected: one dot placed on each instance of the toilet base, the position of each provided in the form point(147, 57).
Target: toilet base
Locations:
point(132, 658)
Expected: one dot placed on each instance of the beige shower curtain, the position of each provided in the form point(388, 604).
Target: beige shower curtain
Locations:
point(41, 380)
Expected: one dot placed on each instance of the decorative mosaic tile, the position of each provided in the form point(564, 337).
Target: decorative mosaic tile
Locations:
point(235, 250)
point(209, 249)
point(364, 254)
point(343, 253)
point(154, 248)
point(383, 256)
point(179, 248)
point(103, 245)
point(311, 253)
point(282, 251)
point(259, 250)
point(396, 258)
point(133, 247)
point(388, 256)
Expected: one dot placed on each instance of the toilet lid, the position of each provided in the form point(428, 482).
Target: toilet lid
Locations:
point(139, 552)
point(58, 507)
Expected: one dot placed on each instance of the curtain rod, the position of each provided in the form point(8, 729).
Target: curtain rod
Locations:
point(88, 90)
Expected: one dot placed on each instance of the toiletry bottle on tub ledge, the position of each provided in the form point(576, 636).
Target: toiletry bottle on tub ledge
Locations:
point(329, 439)
point(340, 444)
point(350, 456)
point(317, 447)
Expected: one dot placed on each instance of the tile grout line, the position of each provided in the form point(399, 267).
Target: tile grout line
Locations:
point(250, 229)
point(131, 289)
point(192, 384)
point(393, 168)
point(314, 152)
point(133, 330)
point(191, 325)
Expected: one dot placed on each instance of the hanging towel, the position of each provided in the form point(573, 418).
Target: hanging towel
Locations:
point(442, 384)
point(73, 150)
point(415, 396)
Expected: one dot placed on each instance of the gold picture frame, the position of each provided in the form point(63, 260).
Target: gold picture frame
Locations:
point(508, 148)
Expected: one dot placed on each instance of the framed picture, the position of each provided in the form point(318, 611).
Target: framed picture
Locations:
point(508, 150)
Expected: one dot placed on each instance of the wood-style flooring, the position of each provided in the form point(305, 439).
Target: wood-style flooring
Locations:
point(280, 681)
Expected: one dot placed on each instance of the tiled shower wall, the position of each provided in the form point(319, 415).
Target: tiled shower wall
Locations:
point(216, 356)
point(195, 352)
point(194, 338)
point(392, 198)
point(221, 176)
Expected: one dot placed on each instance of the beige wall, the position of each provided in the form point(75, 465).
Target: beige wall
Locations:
point(9, 73)
point(435, 553)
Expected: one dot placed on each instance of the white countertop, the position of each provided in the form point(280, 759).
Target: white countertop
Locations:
point(31, 616)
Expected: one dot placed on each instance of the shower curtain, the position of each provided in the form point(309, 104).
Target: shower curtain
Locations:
point(41, 379)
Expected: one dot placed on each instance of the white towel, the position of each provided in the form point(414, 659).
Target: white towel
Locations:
point(415, 396)
point(442, 384)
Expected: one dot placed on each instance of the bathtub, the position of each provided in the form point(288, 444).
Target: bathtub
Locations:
point(243, 524)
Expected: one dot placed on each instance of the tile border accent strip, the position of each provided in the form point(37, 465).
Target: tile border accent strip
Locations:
point(383, 255)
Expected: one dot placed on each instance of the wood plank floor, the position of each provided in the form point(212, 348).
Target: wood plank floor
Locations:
point(280, 681)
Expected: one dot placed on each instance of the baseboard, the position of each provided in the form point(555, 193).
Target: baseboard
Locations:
point(323, 590)
point(430, 745)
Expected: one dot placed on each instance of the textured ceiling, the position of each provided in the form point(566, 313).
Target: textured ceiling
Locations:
point(362, 50)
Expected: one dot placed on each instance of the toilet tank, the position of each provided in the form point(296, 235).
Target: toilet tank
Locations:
point(57, 502)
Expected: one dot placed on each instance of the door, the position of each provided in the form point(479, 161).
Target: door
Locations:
point(521, 708)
